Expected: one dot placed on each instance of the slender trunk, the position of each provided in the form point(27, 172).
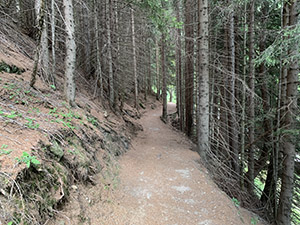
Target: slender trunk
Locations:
point(203, 121)
point(98, 52)
point(149, 84)
point(224, 148)
point(87, 38)
point(179, 70)
point(215, 98)
point(70, 52)
point(243, 114)
point(280, 104)
point(134, 61)
point(171, 95)
point(110, 60)
point(157, 70)
point(40, 5)
point(115, 53)
point(164, 77)
point(44, 51)
point(232, 120)
point(289, 138)
point(189, 67)
point(251, 100)
point(268, 195)
point(53, 40)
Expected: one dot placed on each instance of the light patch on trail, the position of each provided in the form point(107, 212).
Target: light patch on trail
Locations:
point(186, 201)
point(190, 201)
point(181, 189)
point(143, 180)
point(140, 192)
point(154, 128)
point(205, 222)
point(184, 173)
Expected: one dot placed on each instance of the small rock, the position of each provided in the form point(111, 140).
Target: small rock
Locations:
point(74, 187)
point(105, 114)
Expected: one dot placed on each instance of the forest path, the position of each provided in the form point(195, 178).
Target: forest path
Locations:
point(161, 182)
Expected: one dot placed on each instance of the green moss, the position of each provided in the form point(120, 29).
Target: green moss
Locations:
point(56, 150)
point(4, 67)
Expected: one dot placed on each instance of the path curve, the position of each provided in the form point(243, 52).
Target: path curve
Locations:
point(162, 183)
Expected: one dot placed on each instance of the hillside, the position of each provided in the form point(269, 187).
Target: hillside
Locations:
point(46, 146)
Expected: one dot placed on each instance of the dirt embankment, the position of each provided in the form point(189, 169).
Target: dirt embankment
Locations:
point(46, 147)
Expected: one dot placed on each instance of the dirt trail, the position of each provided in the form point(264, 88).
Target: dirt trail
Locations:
point(162, 183)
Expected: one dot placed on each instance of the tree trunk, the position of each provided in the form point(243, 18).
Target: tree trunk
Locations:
point(70, 59)
point(289, 138)
point(40, 5)
point(164, 77)
point(115, 53)
point(157, 70)
point(251, 100)
point(179, 93)
point(203, 121)
point(44, 54)
point(53, 40)
point(98, 52)
point(268, 197)
point(224, 147)
point(134, 62)
point(280, 103)
point(189, 67)
point(149, 80)
point(109, 49)
point(232, 120)
point(243, 113)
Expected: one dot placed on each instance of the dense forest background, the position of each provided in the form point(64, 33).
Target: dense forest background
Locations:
point(232, 67)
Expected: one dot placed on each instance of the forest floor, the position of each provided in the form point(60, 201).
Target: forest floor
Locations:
point(159, 181)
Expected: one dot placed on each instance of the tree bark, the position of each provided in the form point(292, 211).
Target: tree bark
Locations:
point(232, 120)
point(70, 59)
point(179, 93)
point(136, 103)
point(189, 67)
point(157, 70)
point(243, 113)
point(44, 54)
point(203, 120)
point(109, 51)
point(39, 5)
point(53, 40)
point(164, 77)
point(289, 138)
point(280, 103)
point(251, 99)
point(149, 80)
point(98, 54)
